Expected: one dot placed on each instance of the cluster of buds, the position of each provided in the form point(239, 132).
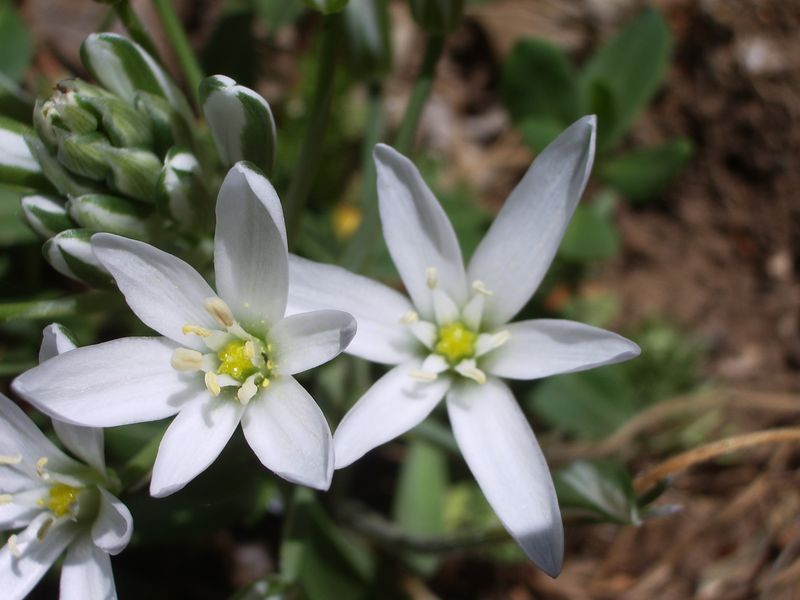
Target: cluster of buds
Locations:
point(121, 156)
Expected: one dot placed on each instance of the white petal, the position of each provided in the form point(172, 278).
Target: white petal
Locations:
point(20, 437)
point(307, 340)
point(115, 383)
point(250, 255)
point(417, 231)
point(14, 516)
point(193, 441)
point(499, 446)
point(521, 243)
point(289, 434)
point(86, 573)
point(113, 525)
point(84, 442)
point(19, 575)
point(393, 405)
point(55, 341)
point(545, 347)
point(378, 309)
point(165, 292)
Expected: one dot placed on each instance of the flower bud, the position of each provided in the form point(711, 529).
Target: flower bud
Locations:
point(167, 127)
point(84, 155)
point(437, 16)
point(46, 215)
point(241, 122)
point(326, 7)
point(18, 165)
point(56, 174)
point(123, 124)
point(70, 253)
point(134, 172)
point(182, 195)
point(367, 41)
point(102, 212)
point(47, 122)
point(75, 114)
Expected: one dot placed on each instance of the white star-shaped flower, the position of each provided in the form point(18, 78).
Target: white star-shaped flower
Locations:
point(61, 503)
point(226, 357)
point(452, 338)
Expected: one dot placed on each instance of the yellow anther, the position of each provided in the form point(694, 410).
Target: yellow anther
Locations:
point(218, 309)
point(10, 459)
point(5, 499)
point(264, 383)
point(40, 465)
point(184, 359)
point(455, 342)
point(235, 361)
point(247, 390)
point(195, 330)
point(472, 372)
point(431, 277)
point(426, 376)
point(481, 288)
point(500, 338)
point(250, 349)
point(13, 547)
point(40, 535)
point(211, 383)
point(410, 317)
point(346, 219)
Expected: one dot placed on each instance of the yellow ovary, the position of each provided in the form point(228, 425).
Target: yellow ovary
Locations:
point(456, 342)
point(235, 360)
point(61, 499)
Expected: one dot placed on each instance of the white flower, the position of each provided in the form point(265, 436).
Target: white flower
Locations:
point(453, 340)
point(60, 502)
point(225, 358)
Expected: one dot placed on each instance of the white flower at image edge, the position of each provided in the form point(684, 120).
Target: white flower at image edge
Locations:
point(61, 503)
point(227, 357)
point(452, 338)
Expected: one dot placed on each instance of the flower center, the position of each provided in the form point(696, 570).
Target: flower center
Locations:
point(235, 360)
point(61, 499)
point(455, 342)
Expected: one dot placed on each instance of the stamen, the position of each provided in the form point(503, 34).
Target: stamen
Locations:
point(211, 384)
point(44, 529)
point(6, 499)
point(184, 359)
point(431, 277)
point(265, 383)
point(425, 332)
point(426, 376)
point(468, 369)
point(40, 465)
point(501, 337)
point(218, 309)
point(250, 349)
point(480, 287)
point(247, 390)
point(410, 317)
point(13, 547)
point(10, 459)
point(488, 342)
point(195, 330)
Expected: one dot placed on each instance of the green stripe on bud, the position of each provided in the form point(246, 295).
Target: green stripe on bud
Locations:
point(18, 165)
point(133, 173)
point(182, 195)
point(326, 7)
point(367, 39)
point(167, 127)
point(102, 212)
point(240, 121)
point(84, 154)
point(70, 253)
point(46, 215)
point(438, 16)
point(123, 124)
point(56, 174)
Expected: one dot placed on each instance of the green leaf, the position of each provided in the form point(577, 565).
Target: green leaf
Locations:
point(13, 229)
point(14, 103)
point(16, 48)
point(437, 17)
point(539, 131)
point(420, 497)
point(279, 13)
point(367, 39)
point(57, 308)
point(326, 7)
point(632, 66)
point(600, 102)
point(590, 404)
point(603, 489)
point(644, 174)
point(591, 234)
point(538, 81)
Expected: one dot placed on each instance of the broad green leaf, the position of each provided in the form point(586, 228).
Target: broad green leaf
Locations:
point(16, 48)
point(538, 81)
point(590, 404)
point(420, 496)
point(58, 308)
point(591, 234)
point(600, 101)
point(539, 130)
point(603, 490)
point(643, 174)
point(632, 66)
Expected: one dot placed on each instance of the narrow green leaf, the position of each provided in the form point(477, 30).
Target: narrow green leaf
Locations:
point(539, 131)
point(13, 230)
point(326, 7)
point(58, 308)
point(438, 17)
point(16, 47)
point(603, 490)
point(368, 49)
point(538, 81)
point(644, 174)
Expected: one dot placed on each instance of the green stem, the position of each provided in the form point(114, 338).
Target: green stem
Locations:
point(307, 164)
point(134, 26)
point(419, 95)
point(360, 246)
point(180, 44)
point(137, 470)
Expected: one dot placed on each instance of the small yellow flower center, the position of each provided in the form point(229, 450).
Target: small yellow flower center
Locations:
point(61, 499)
point(236, 361)
point(456, 342)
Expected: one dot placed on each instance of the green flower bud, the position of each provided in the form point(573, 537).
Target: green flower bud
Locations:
point(123, 124)
point(46, 215)
point(134, 172)
point(112, 214)
point(47, 122)
point(84, 154)
point(240, 121)
point(18, 165)
point(70, 253)
point(56, 174)
point(75, 114)
point(367, 40)
point(326, 7)
point(167, 127)
point(182, 195)
point(438, 16)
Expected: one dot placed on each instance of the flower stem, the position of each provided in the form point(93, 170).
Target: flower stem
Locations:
point(307, 165)
point(134, 26)
point(363, 241)
point(180, 44)
point(419, 95)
